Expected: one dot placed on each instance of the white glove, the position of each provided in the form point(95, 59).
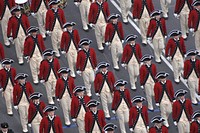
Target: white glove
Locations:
point(42, 81)
point(78, 72)
point(16, 107)
point(175, 123)
point(123, 65)
point(176, 16)
point(92, 25)
point(33, 14)
point(157, 104)
point(29, 125)
point(149, 38)
point(58, 100)
point(107, 43)
point(191, 30)
point(185, 55)
point(169, 58)
point(148, 128)
point(113, 111)
point(48, 32)
point(122, 41)
point(1, 89)
point(63, 52)
point(135, 20)
point(96, 69)
point(74, 120)
point(131, 129)
point(165, 37)
point(10, 38)
point(77, 3)
point(142, 87)
point(97, 94)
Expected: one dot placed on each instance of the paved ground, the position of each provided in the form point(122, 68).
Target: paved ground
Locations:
point(72, 14)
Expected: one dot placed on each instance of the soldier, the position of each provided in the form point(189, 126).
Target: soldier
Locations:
point(35, 111)
point(33, 48)
point(86, 64)
point(158, 125)
point(51, 123)
point(7, 82)
point(147, 78)
point(4, 128)
point(38, 9)
point(138, 116)
point(195, 125)
point(130, 58)
point(109, 128)
point(125, 6)
point(22, 90)
point(164, 95)
point(175, 52)
point(5, 14)
point(69, 45)
point(17, 27)
point(182, 10)
point(55, 19)
point(64, 92)
point(182, 111)
point(121, 103)
point(79, 108)
point(94, 118)
point(48, 73)
point(192, 73)
point(104, 86)
point(114, 37)
point(141, 14)
point(165, 7)
point(193, 23)
point(97, 18)
point(157, 32)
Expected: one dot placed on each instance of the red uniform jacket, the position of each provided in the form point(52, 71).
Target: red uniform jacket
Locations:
point(4, 77)
point(134, 116)
point(154, 129)
point(76, 105)
point(180, 4)
point(61, 85)
point(2, 54)
point(153, 27)
point(177, 110)
point(100, 79)
point(159, 91)
point(32, 110)
point(118, 98)
point(83, 57)
point(66, 39)
point(18, 92)
point(90, 120)
point(35, 5)
point(193, 19)
point(95, 9)
point(145, 72)
point(45, 125)
point(173, 45)
point(45, 68)
point(128, 52)
point(138, 8)
point(195, 127)
point(30, 44)
point(111, 29)
point(51, 17)
point(3, 4)
point(188, 68)
point(14, 24)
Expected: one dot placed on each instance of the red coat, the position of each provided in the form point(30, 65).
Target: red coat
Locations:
point(180, 4)
point(159, 91)
point(95, 11)
point(13, 25)
point(153, 27)
point(2, 54)
point(11, 4)
point(99, 81)
point(60, 87)
point(30, 44)
point(171, 47)
point(51, 19)
point(35, 5)
point(177, 110)
point(4, 77)
point(193, 19)
point(82, 59)
point(66, 40)
point(76, 105)
point(18, 92)
point(188, 68)
point(164, 129)
point(90, 121)
point(45, 69)
point(144, 73)
point(138, 8)
point(128, 52)
point(110, 32)
point(118, 98)
point(194, 127)
point(45, 125)
point(32, 110)
point(134, 116)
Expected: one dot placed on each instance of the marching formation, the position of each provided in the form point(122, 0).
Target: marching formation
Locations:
point(79, 103)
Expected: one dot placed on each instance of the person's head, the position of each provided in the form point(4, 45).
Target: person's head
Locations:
point(147, 59)
point(85, 43)
point(156, 14)
point(114, 21)
point(180, 94)
point(113, 18)
point(92, 105)
point(93, 108)
point(109, 128)
point(131, 39)
point(162, 76)
point(158, 121)
point(100, 1)
point(158, 17)
point(196, 115)
point(79, 91)
point(21, 77)
point(32, 30)
point(35, 97)
point(196, 4)
point(50, 110)
point(103, 66)
point(192, 54)
point(48, 53)
point(4, 127)
point(64, 71)
point(7, 63)
point(139, 104)
point(51, 113)
point(120, 84)
point(138, 100)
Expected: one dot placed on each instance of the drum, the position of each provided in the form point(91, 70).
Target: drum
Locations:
point(25, 4)
point(63, 4)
